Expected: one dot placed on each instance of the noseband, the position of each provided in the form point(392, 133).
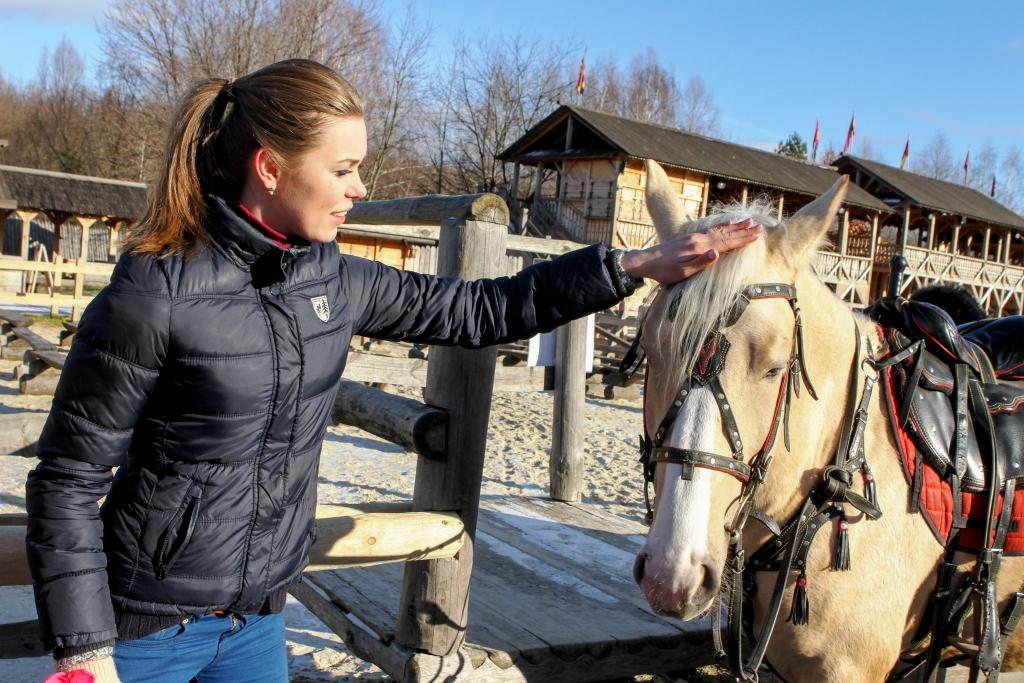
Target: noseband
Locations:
point(706, 372)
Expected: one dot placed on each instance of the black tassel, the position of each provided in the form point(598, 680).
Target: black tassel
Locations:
point(841, 553)
point(800, 614)
point(869, 485)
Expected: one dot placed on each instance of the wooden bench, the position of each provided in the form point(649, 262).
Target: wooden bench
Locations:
point(10, 321)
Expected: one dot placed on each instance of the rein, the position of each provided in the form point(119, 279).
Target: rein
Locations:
point(793, 541)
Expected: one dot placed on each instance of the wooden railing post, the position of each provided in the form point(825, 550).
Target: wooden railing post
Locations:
point(435, 593)
point(566, 460)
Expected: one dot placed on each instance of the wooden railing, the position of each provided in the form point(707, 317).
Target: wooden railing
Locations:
point(55, 271)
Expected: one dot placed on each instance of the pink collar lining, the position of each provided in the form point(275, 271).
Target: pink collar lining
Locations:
point(278, 238)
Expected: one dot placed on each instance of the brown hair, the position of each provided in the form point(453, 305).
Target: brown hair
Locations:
point(217, 128)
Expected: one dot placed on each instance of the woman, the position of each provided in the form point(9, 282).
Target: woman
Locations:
point(207, 369)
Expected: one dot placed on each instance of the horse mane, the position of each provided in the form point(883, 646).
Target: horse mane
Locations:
point(697, 304)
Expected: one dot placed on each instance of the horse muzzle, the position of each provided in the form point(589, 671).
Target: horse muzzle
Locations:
point(684, 592)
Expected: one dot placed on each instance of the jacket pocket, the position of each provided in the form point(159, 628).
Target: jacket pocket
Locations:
point(178, 532)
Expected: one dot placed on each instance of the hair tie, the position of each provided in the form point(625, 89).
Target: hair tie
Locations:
point(228, 89)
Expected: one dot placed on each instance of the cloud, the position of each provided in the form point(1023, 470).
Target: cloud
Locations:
point(54, 10)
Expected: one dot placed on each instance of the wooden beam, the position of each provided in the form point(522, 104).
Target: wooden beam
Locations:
point(403, 421)
point(566, 457)
point(26, 229)
point(782, 200)
point(706, 188)
point(743, 196)
point(348, 537)
point(986, 243)
point(954, 248)
point(431, 209)
point(931, 231)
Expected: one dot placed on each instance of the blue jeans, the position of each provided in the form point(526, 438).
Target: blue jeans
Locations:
point(210, 649)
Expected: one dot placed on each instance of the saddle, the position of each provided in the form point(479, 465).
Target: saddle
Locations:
point(957, 409)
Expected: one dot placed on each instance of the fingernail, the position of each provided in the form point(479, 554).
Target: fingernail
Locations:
point(710, 255)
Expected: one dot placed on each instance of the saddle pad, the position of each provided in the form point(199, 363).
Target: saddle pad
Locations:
point(936, 498)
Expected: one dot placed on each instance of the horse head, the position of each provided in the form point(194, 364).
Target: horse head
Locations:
point(723, 359)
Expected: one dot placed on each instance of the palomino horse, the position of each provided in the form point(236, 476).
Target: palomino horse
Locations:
point(846, 626)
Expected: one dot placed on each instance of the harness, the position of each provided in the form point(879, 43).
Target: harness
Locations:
point(792, 542)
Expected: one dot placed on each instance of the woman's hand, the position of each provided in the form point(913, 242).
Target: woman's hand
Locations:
point(685, 255)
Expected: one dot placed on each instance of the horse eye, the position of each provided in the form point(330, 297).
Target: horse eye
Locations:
point(774, 372)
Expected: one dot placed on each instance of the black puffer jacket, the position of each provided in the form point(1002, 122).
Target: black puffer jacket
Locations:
point(210, 382)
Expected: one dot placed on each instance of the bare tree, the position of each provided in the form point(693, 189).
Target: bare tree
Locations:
point(935, 159)
point(652, 92)
point(391, 125)
point(698, 112)
point(499, 88)
point(60, 122)
point(1010, 189)
point(866, 150)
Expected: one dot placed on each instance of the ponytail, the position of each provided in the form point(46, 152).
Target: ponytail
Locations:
point(217, 128)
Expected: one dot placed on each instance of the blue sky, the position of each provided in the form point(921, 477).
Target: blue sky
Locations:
point(909, 67)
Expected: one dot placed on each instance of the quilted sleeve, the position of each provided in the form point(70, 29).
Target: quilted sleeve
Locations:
point(394, 304)
point(108, 375)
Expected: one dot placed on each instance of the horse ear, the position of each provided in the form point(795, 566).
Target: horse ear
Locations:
point(663, 203)
point(806, 227)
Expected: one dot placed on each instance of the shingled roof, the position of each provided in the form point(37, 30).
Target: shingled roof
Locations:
point(929, 193)
point(29, 188)
point(677, 148)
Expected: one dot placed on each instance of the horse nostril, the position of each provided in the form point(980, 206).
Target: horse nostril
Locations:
point(638, 568)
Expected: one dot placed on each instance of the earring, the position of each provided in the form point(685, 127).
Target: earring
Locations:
point(270, 191)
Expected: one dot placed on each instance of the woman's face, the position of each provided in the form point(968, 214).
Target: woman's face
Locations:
point(316, 190)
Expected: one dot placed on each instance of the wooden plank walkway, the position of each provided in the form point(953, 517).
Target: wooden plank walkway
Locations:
point(552, 599)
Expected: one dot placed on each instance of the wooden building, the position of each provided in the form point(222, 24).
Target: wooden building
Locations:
point(72, 215)
point(579, 175)
point(947, 232)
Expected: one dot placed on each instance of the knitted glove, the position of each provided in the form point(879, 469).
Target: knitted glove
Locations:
point(92, 671)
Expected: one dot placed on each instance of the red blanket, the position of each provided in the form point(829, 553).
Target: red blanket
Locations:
point(937, 495)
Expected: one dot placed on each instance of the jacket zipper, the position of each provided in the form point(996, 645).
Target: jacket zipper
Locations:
point(190, 509)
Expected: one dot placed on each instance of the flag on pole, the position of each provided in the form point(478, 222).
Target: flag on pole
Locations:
point(992, 192)
point(849, 135)
point(906, 154)
point(816, 140)
point(967, 165)
point(581, 82)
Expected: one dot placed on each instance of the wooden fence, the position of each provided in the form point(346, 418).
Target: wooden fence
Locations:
point(55, 271)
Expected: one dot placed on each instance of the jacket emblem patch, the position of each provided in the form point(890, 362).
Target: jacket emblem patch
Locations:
point(321, 307)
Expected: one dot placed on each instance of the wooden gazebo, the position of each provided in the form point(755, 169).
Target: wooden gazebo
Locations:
point(947, 232)
point(586, 183)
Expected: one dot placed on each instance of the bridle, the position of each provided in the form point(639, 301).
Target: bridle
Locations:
point(792, 542)
point(706, 371)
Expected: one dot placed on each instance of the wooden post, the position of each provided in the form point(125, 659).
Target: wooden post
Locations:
point(873, 245)
point(704, 197)
point(566, 460)
point(83, 244)
point(782, 201)
point(1009, 246)
point(538, 180)
point(435, 593)
point(954, 248)
point(985, 245)
point(26, 230)
point(58, 281)
point(905, 230)
point(618, 166)
point(931, 231)
point(743, 197)
point(844, 232)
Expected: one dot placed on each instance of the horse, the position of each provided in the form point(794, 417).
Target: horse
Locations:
point(851, 626)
